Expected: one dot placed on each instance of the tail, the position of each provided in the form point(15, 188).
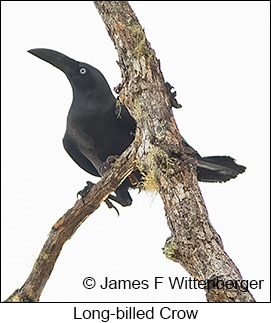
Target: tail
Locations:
point(218, 169)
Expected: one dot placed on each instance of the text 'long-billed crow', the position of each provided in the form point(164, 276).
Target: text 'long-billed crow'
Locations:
point(97, 128)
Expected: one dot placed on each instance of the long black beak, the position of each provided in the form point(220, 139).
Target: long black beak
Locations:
point(59, 60)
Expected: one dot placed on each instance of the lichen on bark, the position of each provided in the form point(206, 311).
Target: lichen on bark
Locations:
point(194, 242)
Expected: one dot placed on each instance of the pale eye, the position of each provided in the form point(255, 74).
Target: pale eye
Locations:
point(83, 70)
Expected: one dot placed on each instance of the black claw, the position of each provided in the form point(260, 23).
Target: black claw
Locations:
point(111, 205)
point(110, 160)
point(84, 192)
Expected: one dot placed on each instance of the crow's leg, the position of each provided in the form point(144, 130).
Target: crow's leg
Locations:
point(110, 160)
point(84, 192)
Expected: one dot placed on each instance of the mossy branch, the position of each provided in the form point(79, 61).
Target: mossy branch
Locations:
point(194, 242)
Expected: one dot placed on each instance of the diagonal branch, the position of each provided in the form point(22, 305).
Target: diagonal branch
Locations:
point(194, 243)
point(66, 226)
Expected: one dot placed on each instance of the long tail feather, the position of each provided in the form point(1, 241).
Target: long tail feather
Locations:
point(218, 169)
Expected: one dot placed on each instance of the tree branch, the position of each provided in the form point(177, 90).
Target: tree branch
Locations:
point(194, 242)
point(66, 226)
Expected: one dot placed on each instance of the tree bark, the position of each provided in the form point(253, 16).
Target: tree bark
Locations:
point(194, 243)
point(66, 226)
point(168, 167)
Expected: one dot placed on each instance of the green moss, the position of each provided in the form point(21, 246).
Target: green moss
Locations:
point(140, 42)
point(149, 182)
point(138, 112)
point(163, 158)
point(155, 162)
point(139, 39)
point(170, 249)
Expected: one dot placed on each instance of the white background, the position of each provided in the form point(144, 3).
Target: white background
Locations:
point(216, 55)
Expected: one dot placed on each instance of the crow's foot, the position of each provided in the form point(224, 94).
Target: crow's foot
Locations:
point(84, 192)
point(110, 160)
point(111, 205)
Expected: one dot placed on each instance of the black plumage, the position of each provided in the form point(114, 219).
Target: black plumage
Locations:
point(98, 127)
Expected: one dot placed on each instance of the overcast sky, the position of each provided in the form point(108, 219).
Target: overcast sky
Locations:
point(216, 55)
